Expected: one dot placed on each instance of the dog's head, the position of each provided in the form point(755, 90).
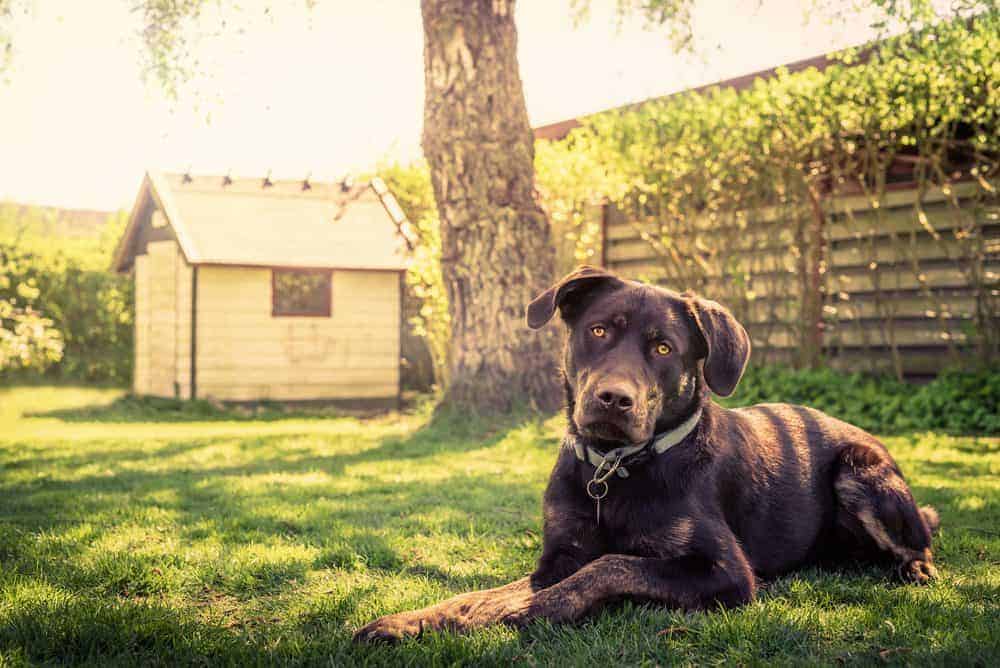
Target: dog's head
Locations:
point(638, 356)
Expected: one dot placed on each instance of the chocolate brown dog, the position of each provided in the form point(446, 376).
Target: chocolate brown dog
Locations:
point(660, 494)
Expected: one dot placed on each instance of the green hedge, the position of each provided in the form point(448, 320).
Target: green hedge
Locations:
point(90, 306)
point(955, 401)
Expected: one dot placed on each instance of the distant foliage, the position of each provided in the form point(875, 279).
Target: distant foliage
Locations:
point(428, 316)
point(955, 401)
point(569, 181)
point(27, 338)
point(85, 309)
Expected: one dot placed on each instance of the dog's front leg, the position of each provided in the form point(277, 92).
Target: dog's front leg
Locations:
point(480, 608)
point(571, 538)
point(689, 583)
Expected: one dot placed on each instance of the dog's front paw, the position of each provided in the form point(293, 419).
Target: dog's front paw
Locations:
point(918, 571)
point(391, 628)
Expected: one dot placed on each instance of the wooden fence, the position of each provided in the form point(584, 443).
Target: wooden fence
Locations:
point(909, 285)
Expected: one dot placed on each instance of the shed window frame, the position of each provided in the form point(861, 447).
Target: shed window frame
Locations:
point(325, 309)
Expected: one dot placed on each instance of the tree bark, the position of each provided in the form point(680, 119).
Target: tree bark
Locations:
point(496, 250)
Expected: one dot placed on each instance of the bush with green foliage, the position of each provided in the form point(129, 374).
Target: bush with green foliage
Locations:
point(88, 308)
point(722, 152)
point(28, 339)
point(428, 313)
point(955, 401)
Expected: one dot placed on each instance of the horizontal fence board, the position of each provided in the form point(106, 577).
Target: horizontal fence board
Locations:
point(777, 258)
point(915, 361)
point(902, 198)
point(905, 334)
point(915, 306)
point(901, 223)
point(739, 237)
point(901, 277)
point(925, 248)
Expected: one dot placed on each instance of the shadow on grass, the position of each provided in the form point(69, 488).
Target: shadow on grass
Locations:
point(978, 446)
point(443, 432)
point(132, 409)
point(152, 410)
point(207, 499)
point(952, 469)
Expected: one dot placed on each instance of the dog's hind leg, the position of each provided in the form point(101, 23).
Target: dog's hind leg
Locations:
point(877, 514)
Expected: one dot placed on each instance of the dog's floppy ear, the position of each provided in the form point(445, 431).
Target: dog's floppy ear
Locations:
point(727, 345)
point(567, 293)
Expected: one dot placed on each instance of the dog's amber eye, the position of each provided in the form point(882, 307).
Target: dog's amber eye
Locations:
point(599, 331)
point(662, 349)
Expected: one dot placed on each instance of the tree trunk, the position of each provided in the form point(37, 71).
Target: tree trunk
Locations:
point(496, 250)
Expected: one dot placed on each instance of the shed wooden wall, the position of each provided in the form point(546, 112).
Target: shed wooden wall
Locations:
point(162, 322)
point(244, 353)
point(140, 367)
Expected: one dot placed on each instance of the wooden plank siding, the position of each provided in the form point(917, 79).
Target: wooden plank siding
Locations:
point(183, 278)
point(162, 331)
point(141, 367)
point(889, 280)
point(245, 353)
point(162, 322)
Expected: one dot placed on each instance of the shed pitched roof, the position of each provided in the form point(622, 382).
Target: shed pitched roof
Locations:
point(259, 222)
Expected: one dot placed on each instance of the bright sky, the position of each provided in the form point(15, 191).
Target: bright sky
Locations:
point(327, 91)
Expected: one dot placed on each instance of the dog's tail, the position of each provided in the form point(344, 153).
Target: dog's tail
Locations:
point(931, 518)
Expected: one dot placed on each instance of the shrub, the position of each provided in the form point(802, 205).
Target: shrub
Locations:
point(86, 309)
point(959, 402)
point(426, 299)
point(955, 401)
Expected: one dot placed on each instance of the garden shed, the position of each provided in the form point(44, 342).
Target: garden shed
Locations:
point(261, 289)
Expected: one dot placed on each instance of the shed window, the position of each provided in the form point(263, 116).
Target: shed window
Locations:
point(300, 292)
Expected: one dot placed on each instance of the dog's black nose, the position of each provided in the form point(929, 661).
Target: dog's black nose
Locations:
point(616, 398)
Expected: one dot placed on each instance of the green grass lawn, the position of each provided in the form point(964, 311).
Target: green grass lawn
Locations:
point(135, 533)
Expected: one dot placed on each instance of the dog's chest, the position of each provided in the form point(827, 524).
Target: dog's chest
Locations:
point(645, 522)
